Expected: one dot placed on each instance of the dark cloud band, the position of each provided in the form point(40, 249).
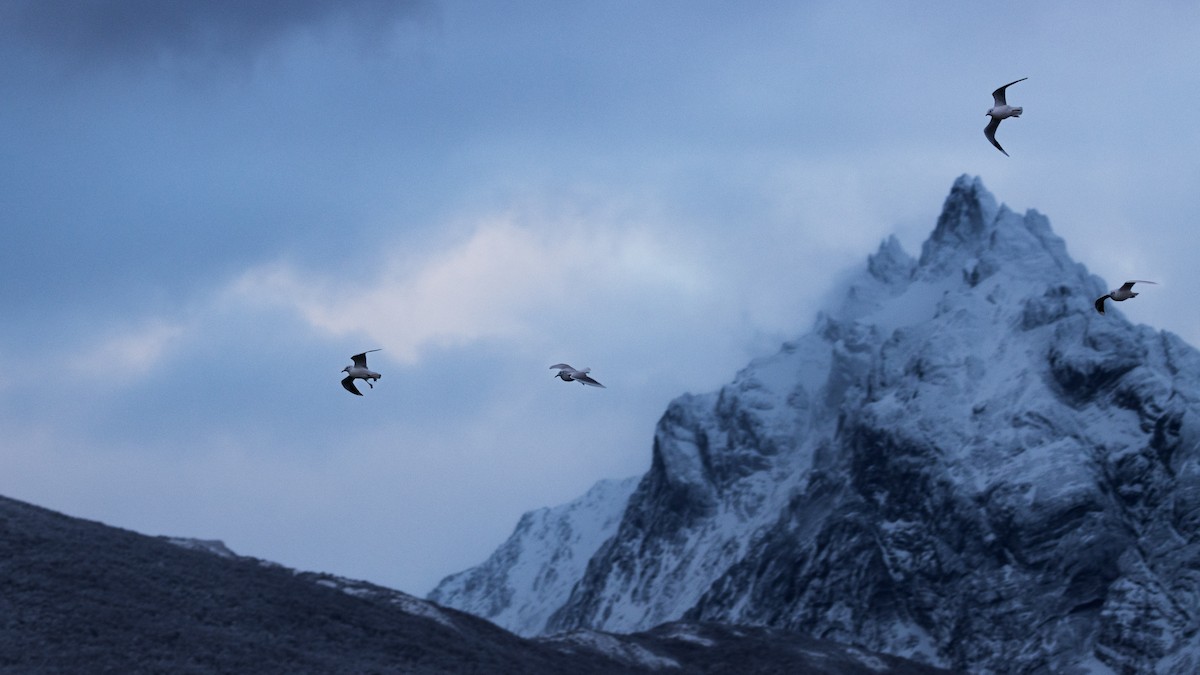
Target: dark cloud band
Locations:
point(102, 31)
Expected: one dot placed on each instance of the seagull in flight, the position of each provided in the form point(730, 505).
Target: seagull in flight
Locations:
point(1125, 292)
point(359, 371)
point(569, 374)
point(1001, 110)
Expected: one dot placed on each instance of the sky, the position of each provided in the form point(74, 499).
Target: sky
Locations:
point(207, 207)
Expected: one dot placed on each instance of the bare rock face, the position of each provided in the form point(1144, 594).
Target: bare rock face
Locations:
point(962, 463)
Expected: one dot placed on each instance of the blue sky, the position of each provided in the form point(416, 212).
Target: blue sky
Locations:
point(208, 207)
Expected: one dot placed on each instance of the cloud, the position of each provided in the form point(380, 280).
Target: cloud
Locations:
point(503, 280)
point(130, 354)
point(106, 31)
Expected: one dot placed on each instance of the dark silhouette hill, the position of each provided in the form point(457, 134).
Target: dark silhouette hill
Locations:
point(81, 597)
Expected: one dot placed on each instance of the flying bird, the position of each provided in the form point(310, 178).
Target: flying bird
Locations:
point(1125, 292)
point(569, 374)
point(1001, 110)
point(359, 371)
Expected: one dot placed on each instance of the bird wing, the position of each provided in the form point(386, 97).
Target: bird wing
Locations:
point(990, 132)
point(998, 95)
point(561, 366)
point(587, 379)
point(360, 360)
point(348, 383)
point(1100, 303)
point(1129, 284)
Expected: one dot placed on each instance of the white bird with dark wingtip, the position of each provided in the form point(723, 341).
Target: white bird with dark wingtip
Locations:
point(1000, 111)
point(359, 371)
point(569, 374)
point(1125, 292)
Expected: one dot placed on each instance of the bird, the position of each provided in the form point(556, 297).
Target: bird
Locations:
point(1001, 110)
point(569, 374)
point(359, 371)
point(1125, 292)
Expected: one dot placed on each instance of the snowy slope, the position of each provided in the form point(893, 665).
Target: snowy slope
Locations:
point(962, 463)
point(540, 562)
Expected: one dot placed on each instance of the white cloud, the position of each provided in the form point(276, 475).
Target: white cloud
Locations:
point(503, 280)
point(127, 355)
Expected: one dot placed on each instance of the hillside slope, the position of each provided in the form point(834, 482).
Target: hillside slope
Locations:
point(80, 597)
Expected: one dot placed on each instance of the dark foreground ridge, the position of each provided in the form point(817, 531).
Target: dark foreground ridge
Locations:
point(78, 596)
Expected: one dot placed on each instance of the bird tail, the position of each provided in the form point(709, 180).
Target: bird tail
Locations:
point(1016, 112)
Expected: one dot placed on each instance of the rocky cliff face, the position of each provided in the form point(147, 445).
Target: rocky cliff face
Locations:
point(962, 462)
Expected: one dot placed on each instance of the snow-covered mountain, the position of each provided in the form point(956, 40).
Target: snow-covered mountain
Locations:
point(528, 577)
point(962, 462)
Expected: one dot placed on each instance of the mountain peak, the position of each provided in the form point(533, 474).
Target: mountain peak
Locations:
point(976, 242)
point(891, 264)
point(967, 215)
point(975, 238)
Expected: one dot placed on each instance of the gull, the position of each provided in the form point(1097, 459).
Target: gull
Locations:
point(359, 371)
point(1002, 110)
point(569, 374)
point(1125, 292)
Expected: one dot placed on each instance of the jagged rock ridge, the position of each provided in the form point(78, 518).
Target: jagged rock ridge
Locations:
point(962, 463)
